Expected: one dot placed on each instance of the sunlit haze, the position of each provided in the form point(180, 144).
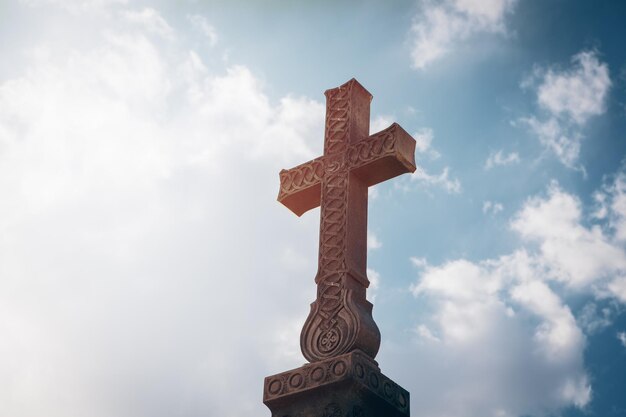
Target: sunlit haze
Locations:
point(147, 270)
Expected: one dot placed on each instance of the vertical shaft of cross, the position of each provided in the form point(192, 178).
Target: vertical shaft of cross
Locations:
point(340, 319)
point(343, 217)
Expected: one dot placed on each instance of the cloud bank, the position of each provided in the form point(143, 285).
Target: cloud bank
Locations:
point(568, 98)
point(440, 26)
point(129, 278)
point(511, 316)
point(138, 278)
point(136, 267)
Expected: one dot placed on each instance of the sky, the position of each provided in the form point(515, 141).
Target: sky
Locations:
point(146, 268)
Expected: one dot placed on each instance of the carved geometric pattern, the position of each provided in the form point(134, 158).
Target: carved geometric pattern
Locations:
point(354, 365)
point(307, 377)
point(337, 120)
point(330, 328)
point(301, 177)
point(312, 173)
point(378, 145)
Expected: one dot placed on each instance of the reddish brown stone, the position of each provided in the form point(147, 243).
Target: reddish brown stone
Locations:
point(349, 385)
point(341, 320)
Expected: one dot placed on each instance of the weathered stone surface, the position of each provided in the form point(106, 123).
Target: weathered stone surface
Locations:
point(340, 319)
point(349, 385)
point(339, 337)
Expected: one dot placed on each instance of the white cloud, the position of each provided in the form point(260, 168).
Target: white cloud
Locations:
point(133, 263)
point(621, 336)
point(452, 186)
point(374, 278)
point(379, 123)
point(419, 262)
point(372, 241)
point(557, 137)
point(287, 335)
point(617, 287)
point(202, 24)
point(423, 143)
point(601, 210)
point(558, 336)
point(611, 205)
point(151, 21)
point(481, 311)
point(424, 333)
point(439, 26)
point(579, 92)
point(576, 255)
point(523, 298)
point(492, 207)
point(592, 320)
point(77, 6)
point(499, 159)
point(126, 174)
point(569, 97)
point(459, 279)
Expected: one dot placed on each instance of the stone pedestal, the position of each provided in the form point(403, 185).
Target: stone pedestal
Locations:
point(349, 385)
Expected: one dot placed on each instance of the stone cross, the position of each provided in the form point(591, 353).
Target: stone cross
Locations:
point(340, 320)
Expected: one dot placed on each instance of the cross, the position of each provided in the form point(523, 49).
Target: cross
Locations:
point(340, 319)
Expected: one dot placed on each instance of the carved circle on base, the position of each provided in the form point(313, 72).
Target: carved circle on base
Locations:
point(402, 400)
point(388, 389)
point(374, 380)
point(339, 368)
point(359, 371)
point(318, 373)
point(275, 386)
point(296, 380)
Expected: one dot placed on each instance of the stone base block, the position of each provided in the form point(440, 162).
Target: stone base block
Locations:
point(350, 385)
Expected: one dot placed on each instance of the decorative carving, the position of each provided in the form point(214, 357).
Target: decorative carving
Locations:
point(355, 365)
point(340, 319)
point(307, 377)
point(338, 106)
point(330, 328)
point(301, 177)
point(377, 146)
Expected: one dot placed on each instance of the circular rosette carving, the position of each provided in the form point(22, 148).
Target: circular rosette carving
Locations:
point(339, 325)
point(328, 333)
point(329, 339)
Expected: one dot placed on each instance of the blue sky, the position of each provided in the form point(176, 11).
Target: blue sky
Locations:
point(146, 268)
